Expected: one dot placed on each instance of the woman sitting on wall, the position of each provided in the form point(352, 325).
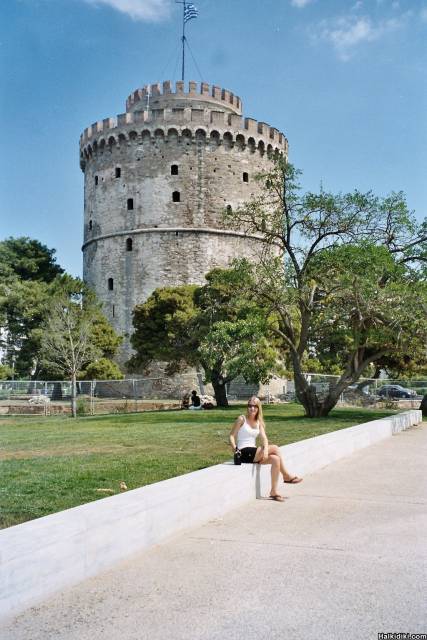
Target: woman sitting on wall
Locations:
point(247, 429)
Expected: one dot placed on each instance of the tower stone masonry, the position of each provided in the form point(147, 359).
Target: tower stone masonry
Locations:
point(157, 180)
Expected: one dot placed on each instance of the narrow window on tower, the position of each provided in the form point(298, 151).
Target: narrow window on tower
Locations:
point(129, 244)
point(90, 225)
point(110, 284)
point(96, 181)
point(176, 196)
point(113, 311)
point(118, 172)
point(174, 170)
point(245, 177)
point(130, 204)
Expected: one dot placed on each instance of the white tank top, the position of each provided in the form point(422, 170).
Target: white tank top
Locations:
point(247, 435)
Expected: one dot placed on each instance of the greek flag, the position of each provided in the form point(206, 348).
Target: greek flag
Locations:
point(190, 12)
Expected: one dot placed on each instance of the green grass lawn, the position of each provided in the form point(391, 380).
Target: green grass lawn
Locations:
point(50, 464)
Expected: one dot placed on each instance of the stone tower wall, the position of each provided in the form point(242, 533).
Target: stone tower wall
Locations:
point(194, 144)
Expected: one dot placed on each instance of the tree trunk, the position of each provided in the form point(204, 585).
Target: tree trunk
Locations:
point(307, 394)
point(73, 396)
point(329, 403)
point(313, 406)
point(220, 391)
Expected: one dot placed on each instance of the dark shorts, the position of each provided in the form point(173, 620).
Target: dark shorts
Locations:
point(248, 454)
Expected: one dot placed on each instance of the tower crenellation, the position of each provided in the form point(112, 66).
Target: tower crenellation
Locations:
point(164, 93)
point(157, 180)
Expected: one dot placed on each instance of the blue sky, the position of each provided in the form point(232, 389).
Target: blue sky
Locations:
point(345, 81)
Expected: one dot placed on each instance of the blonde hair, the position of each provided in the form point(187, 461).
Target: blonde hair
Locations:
point(259, 416)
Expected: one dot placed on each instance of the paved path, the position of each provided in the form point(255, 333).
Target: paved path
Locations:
point(344, 558)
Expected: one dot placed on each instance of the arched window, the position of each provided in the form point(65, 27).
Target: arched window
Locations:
point(174, 170)
point(176, 196)
point(118, 172)
point(214, 139)
point(130, 204)
point(110, 284)
point(129, 244)
point(245, 177)
point(240, 142)
point(228, 140)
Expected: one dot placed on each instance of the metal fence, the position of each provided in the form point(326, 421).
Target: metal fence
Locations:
point(36, 397)
point(369, 392)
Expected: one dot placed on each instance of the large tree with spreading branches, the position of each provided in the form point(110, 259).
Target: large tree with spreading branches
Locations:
point(347, 281)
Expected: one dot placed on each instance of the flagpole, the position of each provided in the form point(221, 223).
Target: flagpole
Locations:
point(189, 12)
point(183, 41)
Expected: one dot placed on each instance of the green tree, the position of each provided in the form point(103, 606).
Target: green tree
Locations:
point(101, 369)
point(23, 307)
point(28, 259)
point(100, 342)
point(204, 327)
point(106, 338)
point(341, 273)
point(68, 342)
point(27, 268)
point(5, 372)
point(163, 329)
point(31, 279)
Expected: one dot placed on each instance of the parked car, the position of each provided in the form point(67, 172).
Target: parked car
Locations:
point(395, 391)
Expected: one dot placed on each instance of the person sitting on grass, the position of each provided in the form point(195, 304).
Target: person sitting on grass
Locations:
point(195, 401)
point(246, 429)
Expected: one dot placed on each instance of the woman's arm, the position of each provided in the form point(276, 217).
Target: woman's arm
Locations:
point(264, 441)
point(234, 432)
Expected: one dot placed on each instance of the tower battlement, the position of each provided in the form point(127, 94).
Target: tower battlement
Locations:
point(164, 94)
point(213, 127)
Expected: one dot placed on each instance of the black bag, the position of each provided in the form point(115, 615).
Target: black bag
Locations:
point(237, 456)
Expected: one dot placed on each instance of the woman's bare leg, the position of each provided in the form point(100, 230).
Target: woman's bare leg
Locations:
point(274, 460)
point(273, 449)
point(275, 469)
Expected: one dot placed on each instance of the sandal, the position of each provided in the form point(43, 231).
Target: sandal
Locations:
point(293, 480)
point(277, 497)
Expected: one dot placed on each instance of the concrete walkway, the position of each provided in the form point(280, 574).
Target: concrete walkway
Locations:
point(345, 557)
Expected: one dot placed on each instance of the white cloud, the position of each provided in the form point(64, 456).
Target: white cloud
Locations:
point(346, 33)
point(300, 3)
point(147, 10)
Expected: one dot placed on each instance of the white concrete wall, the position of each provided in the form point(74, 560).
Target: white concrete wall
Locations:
point(40, 557)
